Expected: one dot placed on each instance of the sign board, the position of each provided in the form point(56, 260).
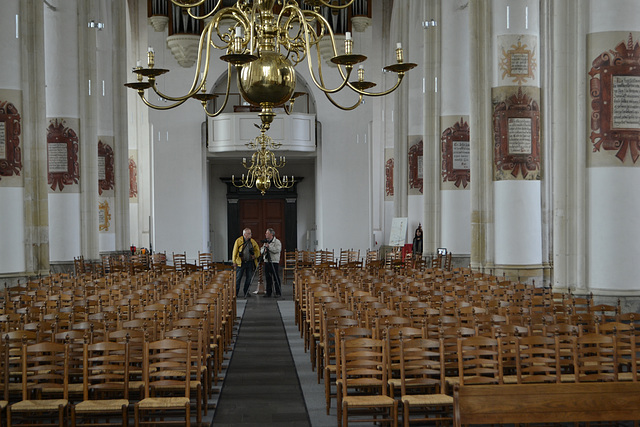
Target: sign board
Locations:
point(398, 232)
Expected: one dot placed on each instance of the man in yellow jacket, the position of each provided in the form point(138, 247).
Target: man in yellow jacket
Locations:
point(245, 257)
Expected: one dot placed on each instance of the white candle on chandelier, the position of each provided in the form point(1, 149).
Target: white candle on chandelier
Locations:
point(398, 45)
point(150, 49)
point(233, 178)
point(239, 32)
point(243, 177)
point(244, 160)
point(347, 35)
point(138, 63)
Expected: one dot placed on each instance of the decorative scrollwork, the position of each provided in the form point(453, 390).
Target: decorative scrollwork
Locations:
point(10, 129)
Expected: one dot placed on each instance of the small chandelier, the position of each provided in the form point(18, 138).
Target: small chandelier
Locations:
point(263, 170)
point(265, 46)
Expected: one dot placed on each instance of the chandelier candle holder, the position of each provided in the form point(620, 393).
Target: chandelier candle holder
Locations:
point(263, 170)
point(265, 46)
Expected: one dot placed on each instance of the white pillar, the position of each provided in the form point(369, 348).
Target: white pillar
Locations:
point(63, 114)
point(453, 144)
point(517, 159)
point(613, 165)
point(12, 145)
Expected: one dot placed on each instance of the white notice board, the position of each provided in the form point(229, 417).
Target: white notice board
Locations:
point(398, 232)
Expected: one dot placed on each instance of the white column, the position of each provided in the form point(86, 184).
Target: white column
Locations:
point(517, 187)
point(62, 94)
point(613, 200)
point(12, 227)
point(453, 174)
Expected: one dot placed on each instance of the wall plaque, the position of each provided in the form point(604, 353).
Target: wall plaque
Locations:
point(456, 164)
point(516, 126)
point(10, 130)
point(133, 178)
point(615, 101)
point(388, 174)
point(518, 62)
point(62, 155)
point(415, 165)
point(106, 176)
point(104, 216)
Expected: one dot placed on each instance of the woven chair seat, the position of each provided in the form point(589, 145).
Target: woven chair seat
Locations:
point(38, 405)
point(367, 401)
point(427, 399)
point(105, 405)
point(163, 402)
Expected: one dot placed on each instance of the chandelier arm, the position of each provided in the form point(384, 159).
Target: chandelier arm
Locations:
point(215, 8)
point(237, 15)
point(195, 87)
point(320, 84)
point(332, 6)
point(188, 4)
point(226, 95)
point(386, 92)
point(160, 107)
point(353, 107)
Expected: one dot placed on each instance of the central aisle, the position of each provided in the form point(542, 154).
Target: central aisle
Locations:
point(261, 385)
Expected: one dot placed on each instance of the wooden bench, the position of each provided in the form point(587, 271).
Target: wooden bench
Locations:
point(546, 403)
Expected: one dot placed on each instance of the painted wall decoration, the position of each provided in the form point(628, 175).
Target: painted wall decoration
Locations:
point(62, 155)
point(516, 127)
point(456, 158)
point(415, 165)
point(388, 174)
point(106, 176)
point(104, 216)
point(133, 178)
point(614, 88)
point(10, 130)
point(518, 58)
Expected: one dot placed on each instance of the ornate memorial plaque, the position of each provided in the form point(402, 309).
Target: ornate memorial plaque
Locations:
point(516, 125)
point(615, 101)
point(388, 174)
point(133, 178)
point(519, 61)
point(106, 177)
point(104, 216)
point(456, 164)
point(415, 164)
point(62, 155)
point(10, 129)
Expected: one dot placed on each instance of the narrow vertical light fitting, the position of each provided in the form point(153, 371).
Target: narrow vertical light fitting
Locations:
point(507, 17)
point(526, 17)
point(17, 27)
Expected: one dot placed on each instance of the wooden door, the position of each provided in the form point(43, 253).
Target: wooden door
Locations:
point(260, 214)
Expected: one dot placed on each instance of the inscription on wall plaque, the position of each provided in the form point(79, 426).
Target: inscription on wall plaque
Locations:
point(3, 140)
point(519, 131)
point(520, 64)
point(102, 171)
point(626, 102)
point(461, 155)
point(420, 163)
point(58, 157)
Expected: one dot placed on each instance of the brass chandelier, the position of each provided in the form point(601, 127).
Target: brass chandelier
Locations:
point(263, 170)
point(265, 46)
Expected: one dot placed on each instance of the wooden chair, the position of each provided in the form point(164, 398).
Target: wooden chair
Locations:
point(479, 360)
point(105, 385)
point(179, 260)
point(595, 358)
point(289, 266)
point(362, 383)
point(422, 381)
point(166, 364)
point(44, 385)
point(205, 260)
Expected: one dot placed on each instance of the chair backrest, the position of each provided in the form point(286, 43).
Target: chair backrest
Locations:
point(479, 360)
point(45, 370)
point(595, 358)
point(536, 360)
point(167, 363)
point(361, 360)
point(106, 370)
point(422, 365)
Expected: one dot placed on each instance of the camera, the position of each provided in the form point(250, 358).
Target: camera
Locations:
point(264, 241)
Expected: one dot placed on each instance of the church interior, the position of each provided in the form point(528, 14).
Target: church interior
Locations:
point(470, 161)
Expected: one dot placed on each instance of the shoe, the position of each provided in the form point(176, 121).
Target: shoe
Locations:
point(255, 292)
point(278, 295)
point(266, 296)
